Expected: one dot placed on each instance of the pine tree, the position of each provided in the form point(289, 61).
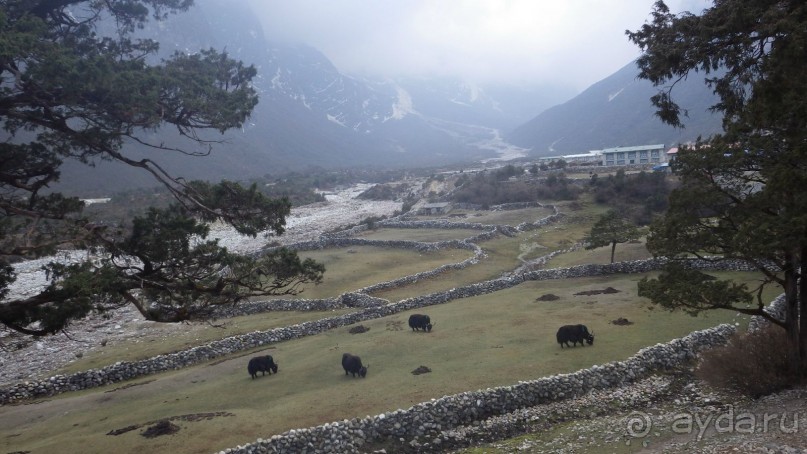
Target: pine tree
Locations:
point(742, 191)
point(71, 89)
point(609, 230)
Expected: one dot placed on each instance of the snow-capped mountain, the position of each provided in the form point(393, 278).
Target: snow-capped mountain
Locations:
point(312, 115)
point(430, 120)
point(301, 73)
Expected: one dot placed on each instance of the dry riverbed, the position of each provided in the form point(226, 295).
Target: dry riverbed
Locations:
point(648, 416)
point(25, 358)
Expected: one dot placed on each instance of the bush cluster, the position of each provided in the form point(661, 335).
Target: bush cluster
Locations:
point(640, 195)
point(496, 188)
point(754, 364)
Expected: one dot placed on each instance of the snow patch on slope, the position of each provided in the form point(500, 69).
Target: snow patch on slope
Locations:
point(403, 105)
point(335, 120)
point(612, 96)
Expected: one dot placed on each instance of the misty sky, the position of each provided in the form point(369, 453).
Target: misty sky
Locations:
point(572, 43)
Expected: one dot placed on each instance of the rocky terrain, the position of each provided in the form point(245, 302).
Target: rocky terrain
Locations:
point(342, 209)
point(673, 413)
point(26, 358)
point(640, 417)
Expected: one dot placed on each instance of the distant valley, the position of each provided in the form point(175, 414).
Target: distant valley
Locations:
point(312, 116)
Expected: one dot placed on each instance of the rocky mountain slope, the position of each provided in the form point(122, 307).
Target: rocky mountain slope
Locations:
point(617, 112)
point(312, 115)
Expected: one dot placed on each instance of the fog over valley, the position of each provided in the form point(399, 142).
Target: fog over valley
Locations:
point(397, 84)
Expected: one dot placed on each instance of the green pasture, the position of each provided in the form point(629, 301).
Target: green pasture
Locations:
point(505, 217)
point(422, 235)
point(602, 255)
point(484, 341)
point(504, 254)
point(163, 338)
point(351, 268)
point(489, 340)
point(348, 269)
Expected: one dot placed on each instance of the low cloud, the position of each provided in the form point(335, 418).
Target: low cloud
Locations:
point(572, 43)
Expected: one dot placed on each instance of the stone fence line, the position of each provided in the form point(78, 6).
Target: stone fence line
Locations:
point(776, 309)
point(344, 239)
point(428, 420)
point(370, 308)
point(427, 426)
point(404, 221)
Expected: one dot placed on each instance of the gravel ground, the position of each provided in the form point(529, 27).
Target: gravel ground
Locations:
point(26, 358)
point(305, 223)
point(674, 414)
point(341, 210)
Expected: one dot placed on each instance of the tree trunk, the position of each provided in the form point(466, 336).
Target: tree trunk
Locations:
point(137, 304)
point(792, 311)
point(613, 248)
point(802, 299)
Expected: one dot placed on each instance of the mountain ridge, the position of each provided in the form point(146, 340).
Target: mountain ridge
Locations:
point(311, 115)
point(616, 111)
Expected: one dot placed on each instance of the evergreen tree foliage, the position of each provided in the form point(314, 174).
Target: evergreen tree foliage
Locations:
point(741, 193)
point(638, 196)
point(77, 84)
point(611, 229)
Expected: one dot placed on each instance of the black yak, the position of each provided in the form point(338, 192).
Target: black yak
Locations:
point(574, 334)
point(419, 321)
point(261, 364)
point(352, 365)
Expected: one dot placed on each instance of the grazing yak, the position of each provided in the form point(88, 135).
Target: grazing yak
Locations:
point(574, 334)
point(352, 365)
point(419, 321)
point(261, 364)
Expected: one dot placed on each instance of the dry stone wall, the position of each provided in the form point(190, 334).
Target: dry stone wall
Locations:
point(776, 309)
point(428, 420)
point(426, 427)
point(371, 308)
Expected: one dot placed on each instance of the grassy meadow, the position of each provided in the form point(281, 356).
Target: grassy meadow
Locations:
point(351, 268)
point(484, 341)
point(423, 235)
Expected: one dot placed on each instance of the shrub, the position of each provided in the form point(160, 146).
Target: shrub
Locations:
point(641, 195)
point(754, 364)
point(489, 190)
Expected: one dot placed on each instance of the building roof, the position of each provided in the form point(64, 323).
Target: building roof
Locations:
point(590, 154)
point(635, 148)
